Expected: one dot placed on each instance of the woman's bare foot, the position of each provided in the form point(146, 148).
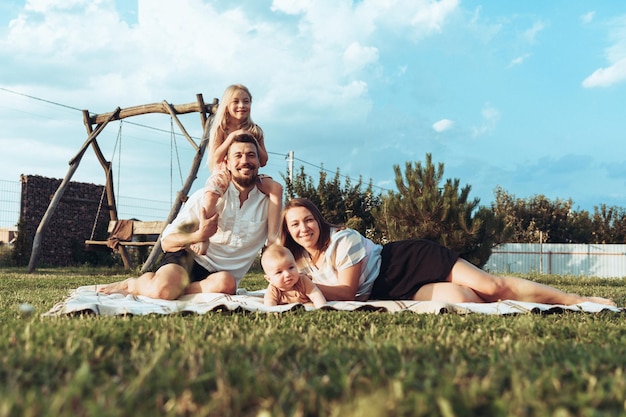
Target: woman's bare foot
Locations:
point(601, 300)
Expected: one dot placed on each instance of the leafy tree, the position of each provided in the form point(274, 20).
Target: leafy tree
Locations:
point(493, 232)
point(359, 208)
point(609, 224)
point(348, 204)
point(537, 218)
point(301, 186)
point(331, 198)
point(581, 227)
point(424, 209)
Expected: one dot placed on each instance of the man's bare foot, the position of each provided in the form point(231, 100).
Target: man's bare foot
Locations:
point(120, 287)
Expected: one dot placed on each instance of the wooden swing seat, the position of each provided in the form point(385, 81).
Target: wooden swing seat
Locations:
point(148, 230)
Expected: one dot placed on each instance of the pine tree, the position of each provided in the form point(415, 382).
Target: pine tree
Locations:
point(423, 209)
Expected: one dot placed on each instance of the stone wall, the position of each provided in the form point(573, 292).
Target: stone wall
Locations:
point(63, 241)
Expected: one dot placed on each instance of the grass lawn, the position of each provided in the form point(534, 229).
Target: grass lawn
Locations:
point(306, 363)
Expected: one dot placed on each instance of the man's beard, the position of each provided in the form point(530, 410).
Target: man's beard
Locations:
point(244, 181)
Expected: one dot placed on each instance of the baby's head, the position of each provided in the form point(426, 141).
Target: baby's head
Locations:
point(280, 267)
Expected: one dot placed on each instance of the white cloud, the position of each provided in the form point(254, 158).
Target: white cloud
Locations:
point(531, 34)
point(63, 29)
point(417, 18)
point(483, 29)
point(615, 72)
point(343, 22)
point(490, 116)
point(587, 17)
point(356, 56)
point(519, 60)
point(47, 6)
point(208, 42)
point(443, 125)
point(401, 70)
point(291, 6)
point(433, 17)
point(606, 77)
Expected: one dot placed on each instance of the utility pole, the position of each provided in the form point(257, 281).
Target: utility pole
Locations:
point(289, 159)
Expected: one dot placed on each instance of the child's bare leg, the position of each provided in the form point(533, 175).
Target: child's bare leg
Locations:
point(274, 191)
point(273, 216)
point(210, 204)
point(214, 188)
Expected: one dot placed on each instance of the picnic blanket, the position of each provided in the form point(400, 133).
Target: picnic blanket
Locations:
point(86, 299)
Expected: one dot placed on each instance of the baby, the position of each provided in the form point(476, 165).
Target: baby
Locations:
point(286, 284)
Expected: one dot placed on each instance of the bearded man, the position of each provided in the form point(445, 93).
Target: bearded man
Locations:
point(236, 232)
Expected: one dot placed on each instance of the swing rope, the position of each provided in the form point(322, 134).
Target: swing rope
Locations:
point(173, 147)
point(117, 141)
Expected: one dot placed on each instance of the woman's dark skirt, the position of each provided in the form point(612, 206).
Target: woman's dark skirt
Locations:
point(407, 265)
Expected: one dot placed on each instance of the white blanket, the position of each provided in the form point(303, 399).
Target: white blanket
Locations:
point(86, 299)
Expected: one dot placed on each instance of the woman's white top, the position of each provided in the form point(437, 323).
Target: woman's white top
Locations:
point(347, 248)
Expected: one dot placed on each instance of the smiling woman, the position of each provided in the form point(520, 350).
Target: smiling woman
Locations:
point(347, 266)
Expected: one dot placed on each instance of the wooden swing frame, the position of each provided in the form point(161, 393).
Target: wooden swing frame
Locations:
point(100, 121)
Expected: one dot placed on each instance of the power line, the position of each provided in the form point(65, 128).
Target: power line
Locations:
point(39, 99)
point(91, 113)
point(169, 132)
point(321, 168)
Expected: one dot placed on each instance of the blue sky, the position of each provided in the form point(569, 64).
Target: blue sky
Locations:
point(528, 96)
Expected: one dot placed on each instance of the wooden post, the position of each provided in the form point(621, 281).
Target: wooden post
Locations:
point(172, 113)
point(182, 195)
point(34, 255)
point(108, 172)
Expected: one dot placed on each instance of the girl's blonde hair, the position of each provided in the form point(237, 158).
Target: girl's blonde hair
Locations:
point(220, 121)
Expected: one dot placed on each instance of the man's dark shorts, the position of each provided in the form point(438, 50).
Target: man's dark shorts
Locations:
point(185, 259)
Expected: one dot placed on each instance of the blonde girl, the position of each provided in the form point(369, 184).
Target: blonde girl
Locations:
point(233, 114)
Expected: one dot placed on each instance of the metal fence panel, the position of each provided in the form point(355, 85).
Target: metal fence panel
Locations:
point(607, 261)
point(10, 194)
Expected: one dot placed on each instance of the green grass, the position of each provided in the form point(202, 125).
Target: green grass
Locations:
point(306, 363)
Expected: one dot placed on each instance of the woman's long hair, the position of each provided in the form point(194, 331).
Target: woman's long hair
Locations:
point(324, 226)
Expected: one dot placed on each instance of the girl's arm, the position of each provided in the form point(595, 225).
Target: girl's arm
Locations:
point(347, 284)
point(219, 152)
point(274, 190)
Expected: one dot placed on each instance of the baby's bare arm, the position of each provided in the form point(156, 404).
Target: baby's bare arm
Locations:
point(269, 298)
point(314, 293)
